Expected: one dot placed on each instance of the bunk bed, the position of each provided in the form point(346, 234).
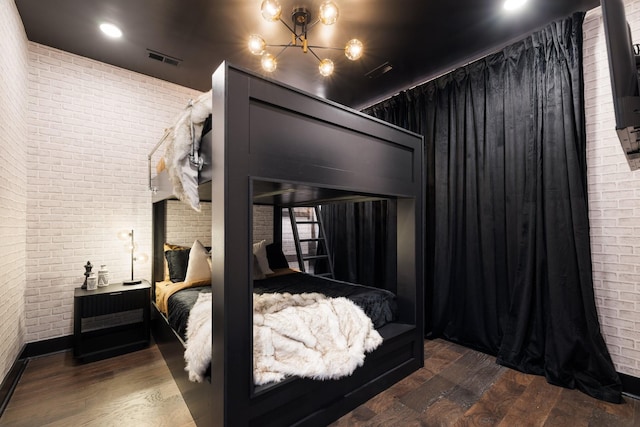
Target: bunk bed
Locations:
point(274, 145)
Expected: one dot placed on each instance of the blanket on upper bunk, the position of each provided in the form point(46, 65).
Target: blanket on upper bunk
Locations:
point(182, 149)
point(308, 335)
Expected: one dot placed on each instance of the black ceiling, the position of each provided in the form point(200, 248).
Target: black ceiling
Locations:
point(420, 39)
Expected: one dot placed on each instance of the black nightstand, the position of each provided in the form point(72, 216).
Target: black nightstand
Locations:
point(111, 320)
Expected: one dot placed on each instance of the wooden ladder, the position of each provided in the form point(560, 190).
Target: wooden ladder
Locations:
point(321, 248)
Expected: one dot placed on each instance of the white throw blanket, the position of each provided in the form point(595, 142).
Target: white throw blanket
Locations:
point(198, 351)
point(308, 335)
point(186, 131)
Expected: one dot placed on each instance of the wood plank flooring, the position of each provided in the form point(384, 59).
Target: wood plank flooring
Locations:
point(457, 387)
point(462, 387)
point(132, 390)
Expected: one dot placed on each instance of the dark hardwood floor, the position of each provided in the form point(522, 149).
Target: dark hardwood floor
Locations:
point(132, 390)
point(462, 387)
point(457, 387)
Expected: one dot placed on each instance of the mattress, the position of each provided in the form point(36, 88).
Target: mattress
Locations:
point(378, 304)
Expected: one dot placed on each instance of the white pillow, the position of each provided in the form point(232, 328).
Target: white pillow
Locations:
point(260, 251)
point(198, 268)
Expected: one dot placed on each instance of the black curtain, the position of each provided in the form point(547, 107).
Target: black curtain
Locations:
point(508, 251)
point(358, 235)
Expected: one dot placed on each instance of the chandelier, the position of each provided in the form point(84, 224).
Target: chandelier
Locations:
point(301, 18)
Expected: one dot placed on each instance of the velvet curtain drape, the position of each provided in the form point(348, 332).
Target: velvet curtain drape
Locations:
point(358, 235)
point(508, 251)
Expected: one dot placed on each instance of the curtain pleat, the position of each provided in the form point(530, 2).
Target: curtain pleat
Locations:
point(358, 235)
point(508, 258)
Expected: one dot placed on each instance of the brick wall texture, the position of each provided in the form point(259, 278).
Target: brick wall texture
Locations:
point(184, 225)
point(90, 129)
point(614, 203)
point(13, 183)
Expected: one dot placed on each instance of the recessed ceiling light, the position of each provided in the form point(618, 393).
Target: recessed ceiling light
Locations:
point(111, 30)
point(514, 4)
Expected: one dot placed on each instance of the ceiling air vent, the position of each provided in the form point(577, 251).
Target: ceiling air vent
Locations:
point(379, 70)
point(163, 58)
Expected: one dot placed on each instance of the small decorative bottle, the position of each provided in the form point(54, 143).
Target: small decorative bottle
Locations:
point(92, 282)
point(103, 276)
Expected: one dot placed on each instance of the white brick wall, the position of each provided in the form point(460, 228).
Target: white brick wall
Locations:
point(13, 184)
point(184, 225)
point(263, 223)
point(614, 203)
point(90, 128)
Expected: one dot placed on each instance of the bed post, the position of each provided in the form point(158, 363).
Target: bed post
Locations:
point(159, 225)
point(231, 370)
point(277, 224)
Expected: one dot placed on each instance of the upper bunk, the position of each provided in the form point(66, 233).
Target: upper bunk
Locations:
point(295, 143)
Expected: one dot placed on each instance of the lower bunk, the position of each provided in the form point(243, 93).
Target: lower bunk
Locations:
point(197, 396)
point(305, 402)
point(295, 400)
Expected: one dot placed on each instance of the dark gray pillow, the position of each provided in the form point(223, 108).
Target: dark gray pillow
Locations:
point(177, 261)
point(276, 257)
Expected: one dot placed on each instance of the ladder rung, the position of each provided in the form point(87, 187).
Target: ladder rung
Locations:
point(320, 240)
point(308, 257)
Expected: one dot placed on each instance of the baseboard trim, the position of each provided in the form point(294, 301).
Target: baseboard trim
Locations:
point(40, 348)
point(10, 382)
point(630, 385)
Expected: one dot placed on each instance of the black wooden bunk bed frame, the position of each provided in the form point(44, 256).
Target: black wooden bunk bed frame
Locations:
point(275, 145)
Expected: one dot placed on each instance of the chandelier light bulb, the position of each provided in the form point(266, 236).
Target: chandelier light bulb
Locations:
point(326, 67)
point(268, 62)
point(328, 13)
point(257, 44)
point(271, 10)
point(354, 49)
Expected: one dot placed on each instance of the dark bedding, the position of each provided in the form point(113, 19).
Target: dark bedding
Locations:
point(379, 304)
point(179, 305)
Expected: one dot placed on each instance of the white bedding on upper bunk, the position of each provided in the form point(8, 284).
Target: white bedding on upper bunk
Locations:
point(307, 335)
point(186, 131)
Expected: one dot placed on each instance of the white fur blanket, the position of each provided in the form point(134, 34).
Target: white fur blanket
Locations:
point(198, 351)
point(186, 130)
point(308, 335)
